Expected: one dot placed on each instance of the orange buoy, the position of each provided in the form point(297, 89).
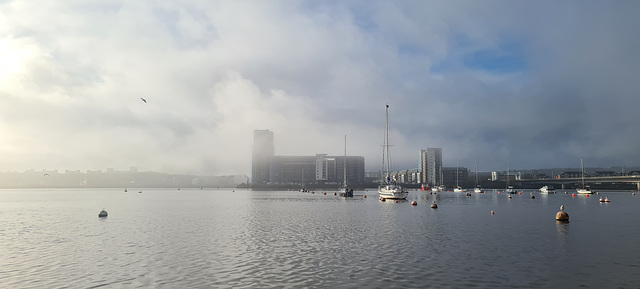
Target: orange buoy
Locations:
point(414, 203)
point(365, 196)
point(396, 201)
point(335, 194)
point(573, 195)
point(520, 193)
point(499, 192)
point(434, 205)
point(493, 213)
point(588, 196)
point(324, 193)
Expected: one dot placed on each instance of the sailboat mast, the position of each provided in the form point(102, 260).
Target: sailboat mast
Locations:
point(582, 172)
point(386, 140)
point(457, 164)
point(476, 173)
point(344, 162)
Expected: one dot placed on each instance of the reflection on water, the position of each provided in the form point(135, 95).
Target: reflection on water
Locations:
point(225, 238)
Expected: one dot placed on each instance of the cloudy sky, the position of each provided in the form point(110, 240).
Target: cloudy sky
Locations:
point(536, 84)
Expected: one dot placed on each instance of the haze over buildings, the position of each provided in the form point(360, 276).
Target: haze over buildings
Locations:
point(534, 84)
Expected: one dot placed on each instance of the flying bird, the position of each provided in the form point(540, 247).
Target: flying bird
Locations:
point(145, 101)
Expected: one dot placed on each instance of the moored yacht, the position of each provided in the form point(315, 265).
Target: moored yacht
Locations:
point(389, 189)
point(547, 190)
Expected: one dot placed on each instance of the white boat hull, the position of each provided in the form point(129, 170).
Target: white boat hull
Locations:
point(584, 191)
point(392, 192)
point(477, 190)
point(547, 190)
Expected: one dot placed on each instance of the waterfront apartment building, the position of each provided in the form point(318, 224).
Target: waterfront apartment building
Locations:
point(262, 157)
point(315, 170)
point(456, 175)
point(431, 166)
point(320, 169)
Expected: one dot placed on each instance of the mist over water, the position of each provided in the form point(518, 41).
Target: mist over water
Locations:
point(171, 238)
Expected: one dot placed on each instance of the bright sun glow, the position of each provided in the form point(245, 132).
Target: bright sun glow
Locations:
point(12, 57)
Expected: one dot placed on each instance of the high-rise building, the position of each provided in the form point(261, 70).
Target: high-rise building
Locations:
point(263, 151)
point(431, 166)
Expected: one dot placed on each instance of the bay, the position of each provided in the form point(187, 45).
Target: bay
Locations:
point(225, 238)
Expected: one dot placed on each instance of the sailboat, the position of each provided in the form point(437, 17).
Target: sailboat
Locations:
point(440, 187)
point(303, 189)
point(478, 188)
point(458, 188)
point(345, 191)
point(583, 189)
point(388, 188)
point(509, 189)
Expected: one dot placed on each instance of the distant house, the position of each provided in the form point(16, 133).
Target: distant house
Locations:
point(634, 173)
point(569, 174)
point(605, 173)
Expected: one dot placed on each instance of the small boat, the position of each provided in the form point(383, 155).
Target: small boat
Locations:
point(458, 188)
point(584, 189)
point(478, 188)
point(438, 189)
point(547, 190)
point(389, 189)
point(509, 189)
point(345, 191)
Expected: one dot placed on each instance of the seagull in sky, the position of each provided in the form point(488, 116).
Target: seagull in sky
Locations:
point(145, 101)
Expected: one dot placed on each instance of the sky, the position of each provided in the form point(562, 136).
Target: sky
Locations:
point(524, 84)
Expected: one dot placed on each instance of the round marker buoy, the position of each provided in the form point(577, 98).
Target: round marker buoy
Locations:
point(414, 203)
point(364, 197)
point(434, 205)
point(562, 216)
point(396, 201)
point(493, 213)
point(573, 195)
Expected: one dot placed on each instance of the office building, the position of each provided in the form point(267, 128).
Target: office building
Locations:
point(263, 151)
point(431, 166)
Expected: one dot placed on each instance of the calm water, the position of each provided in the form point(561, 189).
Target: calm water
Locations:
point(254, 239)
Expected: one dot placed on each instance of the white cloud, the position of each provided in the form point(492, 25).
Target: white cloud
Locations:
point(212, 72)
